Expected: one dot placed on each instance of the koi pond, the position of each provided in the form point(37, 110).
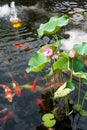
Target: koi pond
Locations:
point(18, 44)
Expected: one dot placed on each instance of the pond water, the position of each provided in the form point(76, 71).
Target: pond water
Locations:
point(26, 111)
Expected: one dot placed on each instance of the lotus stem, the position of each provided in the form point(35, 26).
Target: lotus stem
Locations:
point(79, 90)
point(66, 105)
point(71, 74)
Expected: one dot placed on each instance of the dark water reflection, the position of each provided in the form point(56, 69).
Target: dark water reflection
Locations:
point(27, 114)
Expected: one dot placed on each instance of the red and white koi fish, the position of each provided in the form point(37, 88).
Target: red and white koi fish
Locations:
point(34, 85)
point(8, 92)
point(6, 117)
point(41, 103)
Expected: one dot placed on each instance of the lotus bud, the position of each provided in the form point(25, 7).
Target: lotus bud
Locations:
point(72, 53)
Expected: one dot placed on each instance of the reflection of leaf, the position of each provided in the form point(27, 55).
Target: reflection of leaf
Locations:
point(37, 63)
point(49, 120)
point(53, 25)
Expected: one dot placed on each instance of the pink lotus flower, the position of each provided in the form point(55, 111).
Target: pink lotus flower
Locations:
point(48, 52)
point(72, 53)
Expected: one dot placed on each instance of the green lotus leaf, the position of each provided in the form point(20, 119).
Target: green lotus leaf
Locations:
point(37, 63)
point(53, 25)
point(78, 65)
point(48, 120)
point(64, 90)
point(61, 64)
point(81, 48)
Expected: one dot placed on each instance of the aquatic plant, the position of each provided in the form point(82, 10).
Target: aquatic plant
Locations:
point(67, 65)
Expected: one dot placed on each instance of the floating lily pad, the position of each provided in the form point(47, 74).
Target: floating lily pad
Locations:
point(48, 120)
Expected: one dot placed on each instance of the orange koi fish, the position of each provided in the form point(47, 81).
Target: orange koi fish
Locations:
point(34, 85)
point(6, 117)
point(16, 88)
point(8, 92)
point(41, 103)
point(21, 46)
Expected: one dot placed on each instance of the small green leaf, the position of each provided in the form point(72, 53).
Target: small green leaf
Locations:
point(53, 25)
point(48, 120)
point(83, 113)
point(77, 107)
point(80, 75)
point(64, 90)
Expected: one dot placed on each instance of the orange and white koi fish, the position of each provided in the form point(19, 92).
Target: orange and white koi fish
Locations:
point(41, 103)
point(34, 85)
point(6, 117)
point(8, 92)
